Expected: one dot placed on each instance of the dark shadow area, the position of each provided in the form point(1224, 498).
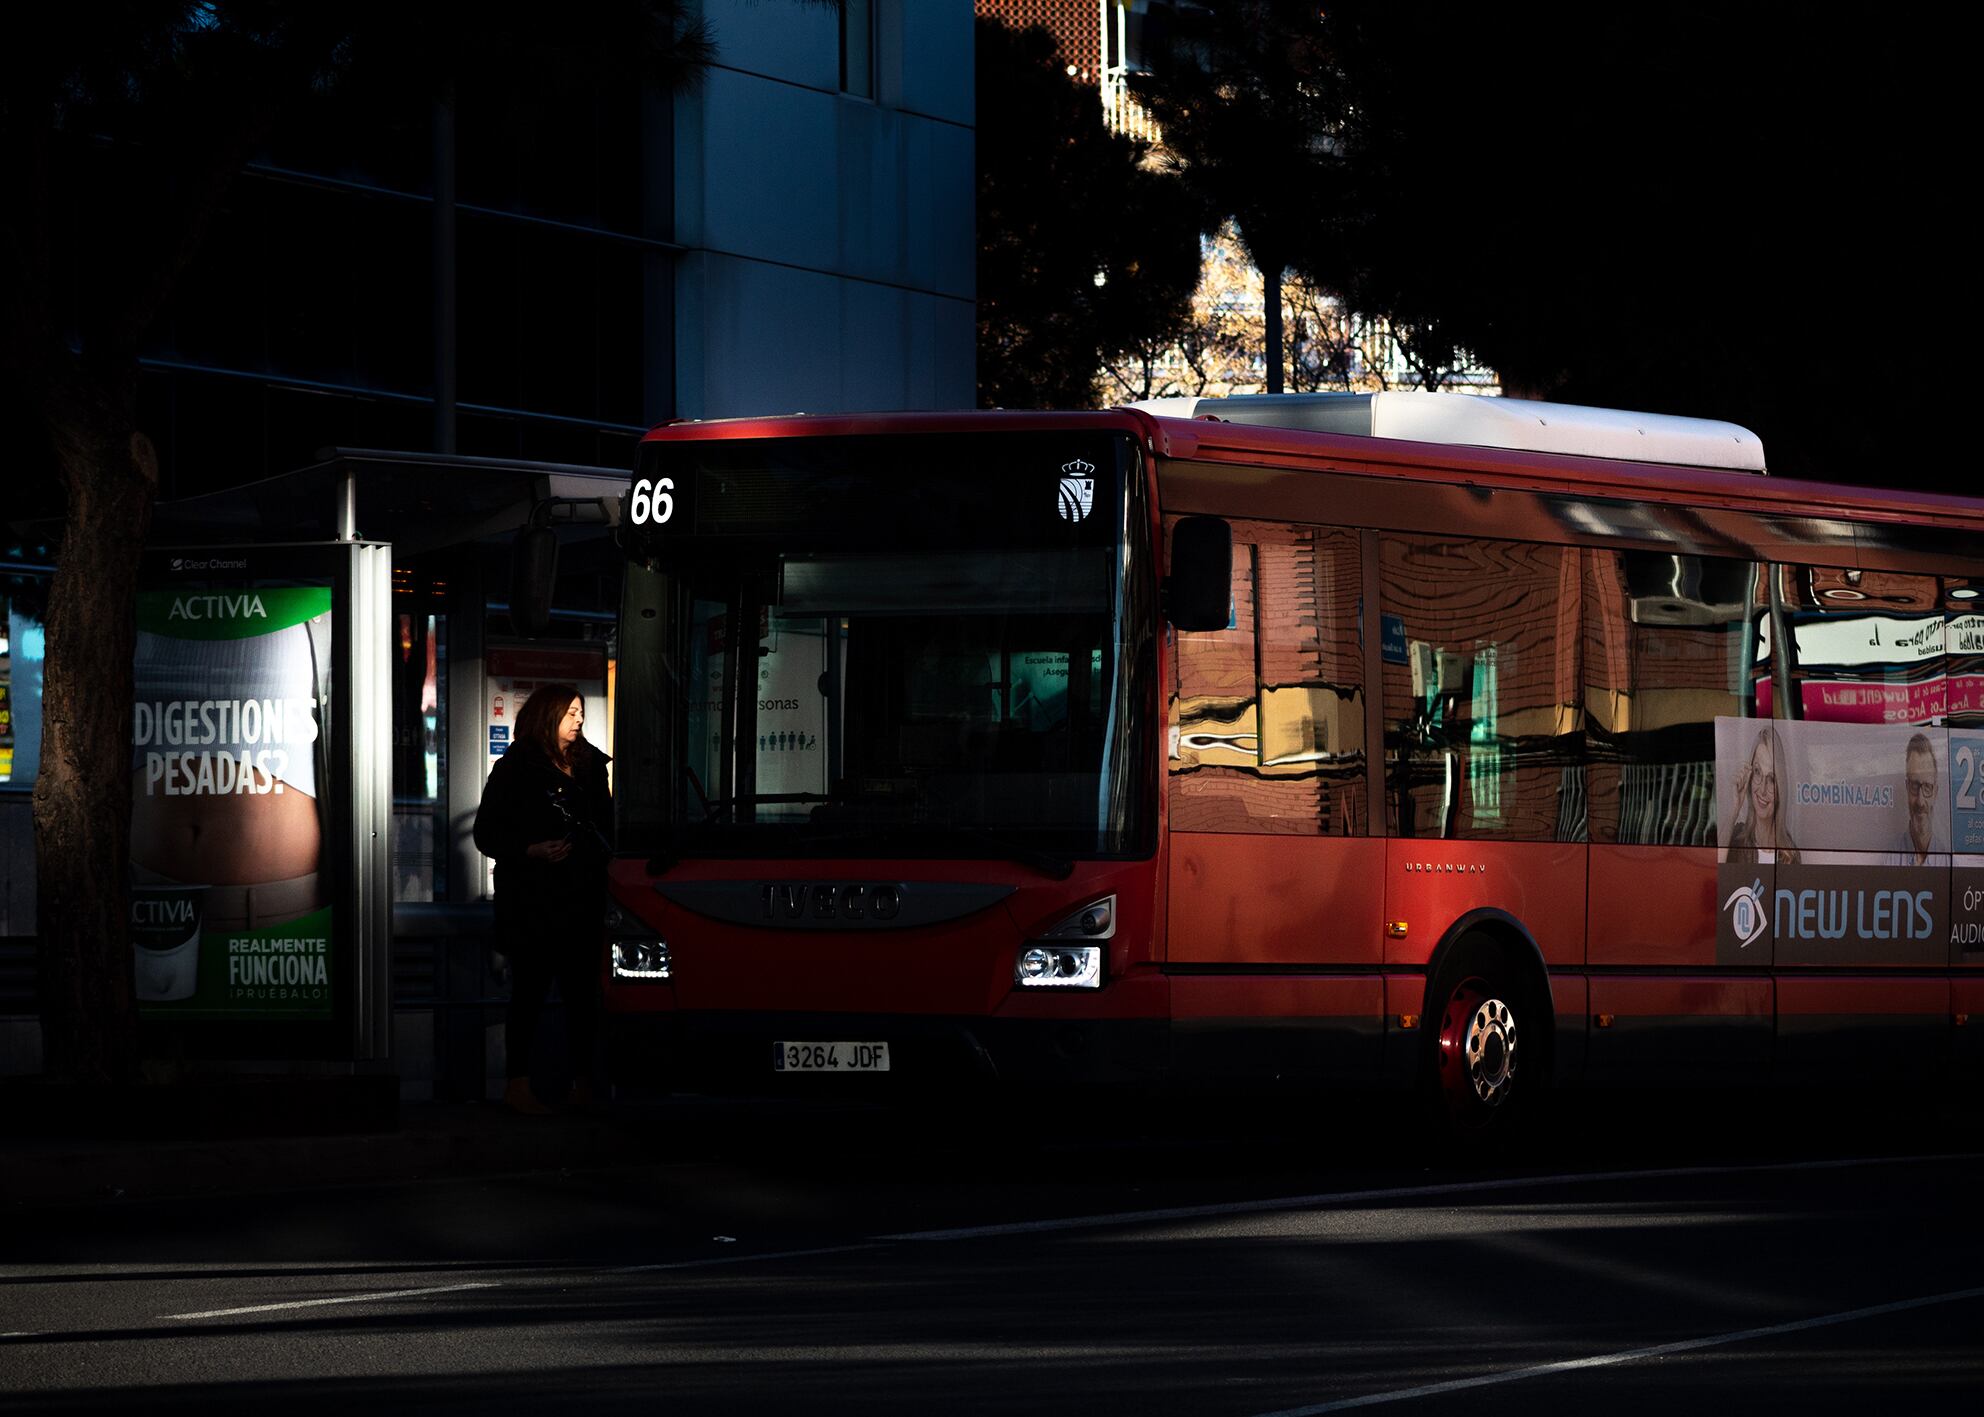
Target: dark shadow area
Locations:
point(1241, 1318)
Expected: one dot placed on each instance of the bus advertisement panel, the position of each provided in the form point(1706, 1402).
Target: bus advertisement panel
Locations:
point(1966, 799)
point(1845, 821)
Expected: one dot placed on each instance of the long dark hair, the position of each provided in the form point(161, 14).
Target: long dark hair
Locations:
point(538, 720)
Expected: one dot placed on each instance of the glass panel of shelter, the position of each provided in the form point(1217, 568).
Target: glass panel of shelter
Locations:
point(23, 596)
point(420, 727)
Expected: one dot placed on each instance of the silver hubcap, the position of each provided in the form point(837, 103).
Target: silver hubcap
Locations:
point(1491, 1052)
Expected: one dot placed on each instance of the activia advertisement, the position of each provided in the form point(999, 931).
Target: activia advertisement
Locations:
point(230, 910)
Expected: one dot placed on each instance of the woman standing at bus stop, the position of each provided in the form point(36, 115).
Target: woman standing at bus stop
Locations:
point(545, 818)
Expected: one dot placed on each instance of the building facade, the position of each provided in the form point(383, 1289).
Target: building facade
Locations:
point(824, 206)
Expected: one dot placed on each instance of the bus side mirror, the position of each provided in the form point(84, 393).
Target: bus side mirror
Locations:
point(533, 577)
point(1199, 590)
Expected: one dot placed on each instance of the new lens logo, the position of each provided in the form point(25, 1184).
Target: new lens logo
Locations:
point(1077, 490)
point(1746, 913)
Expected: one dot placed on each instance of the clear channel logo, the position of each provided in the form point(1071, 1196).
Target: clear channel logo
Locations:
point(1077, 490)
point(1747, 916)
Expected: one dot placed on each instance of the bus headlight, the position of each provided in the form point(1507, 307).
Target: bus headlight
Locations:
point(1058, 966)
point(1052, 960)
point(637, 952)
point(640, 959)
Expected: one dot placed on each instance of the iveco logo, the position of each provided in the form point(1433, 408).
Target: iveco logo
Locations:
point(821, 900)
point(1447, 868)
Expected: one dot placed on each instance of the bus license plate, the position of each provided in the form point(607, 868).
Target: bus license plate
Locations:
point(830, 1057)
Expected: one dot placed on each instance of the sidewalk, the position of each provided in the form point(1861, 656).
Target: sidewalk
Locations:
point(432, 1139)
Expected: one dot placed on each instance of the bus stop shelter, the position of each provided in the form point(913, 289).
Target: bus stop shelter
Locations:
point(392, 571)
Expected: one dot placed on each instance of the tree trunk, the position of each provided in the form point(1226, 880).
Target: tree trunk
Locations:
point(1271, 300)
point(82, 798)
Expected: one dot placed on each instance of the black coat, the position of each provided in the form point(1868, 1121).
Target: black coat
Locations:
point(521, 805)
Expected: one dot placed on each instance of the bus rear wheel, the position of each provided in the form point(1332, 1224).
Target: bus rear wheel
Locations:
point(1479, 1065)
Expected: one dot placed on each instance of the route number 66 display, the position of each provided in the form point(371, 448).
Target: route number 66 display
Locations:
point(652, 502)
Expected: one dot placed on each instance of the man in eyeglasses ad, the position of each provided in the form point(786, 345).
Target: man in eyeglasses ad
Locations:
point(1921, 778)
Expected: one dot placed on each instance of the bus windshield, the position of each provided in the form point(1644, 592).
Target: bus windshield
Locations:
point(865, 647)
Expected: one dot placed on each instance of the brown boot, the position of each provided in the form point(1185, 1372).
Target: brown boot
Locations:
point(520, 1099)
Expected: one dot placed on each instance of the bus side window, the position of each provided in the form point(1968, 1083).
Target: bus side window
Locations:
point(1267, 715)
point(1867, 646)
point(1671, 643)
point(1867, 673)
point(1483, 737)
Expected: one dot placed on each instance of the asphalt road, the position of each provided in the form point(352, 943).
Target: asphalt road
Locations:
point(806, 1260)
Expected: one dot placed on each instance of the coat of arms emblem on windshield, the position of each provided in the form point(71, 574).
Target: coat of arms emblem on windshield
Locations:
point(1077, 490)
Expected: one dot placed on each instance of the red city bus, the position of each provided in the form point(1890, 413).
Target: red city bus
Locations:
point(1405, 740)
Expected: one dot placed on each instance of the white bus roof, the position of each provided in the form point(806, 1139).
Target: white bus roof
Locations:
point(1471, 420)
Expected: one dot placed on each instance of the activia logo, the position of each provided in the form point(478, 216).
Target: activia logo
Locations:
point(229, 614)
point(1746, 912)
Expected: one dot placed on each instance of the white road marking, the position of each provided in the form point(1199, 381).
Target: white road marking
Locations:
point(745, 1259)
point(339, 1299)
point(1213, 1210)
point(1234, 1208)
point(1604, 1360)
